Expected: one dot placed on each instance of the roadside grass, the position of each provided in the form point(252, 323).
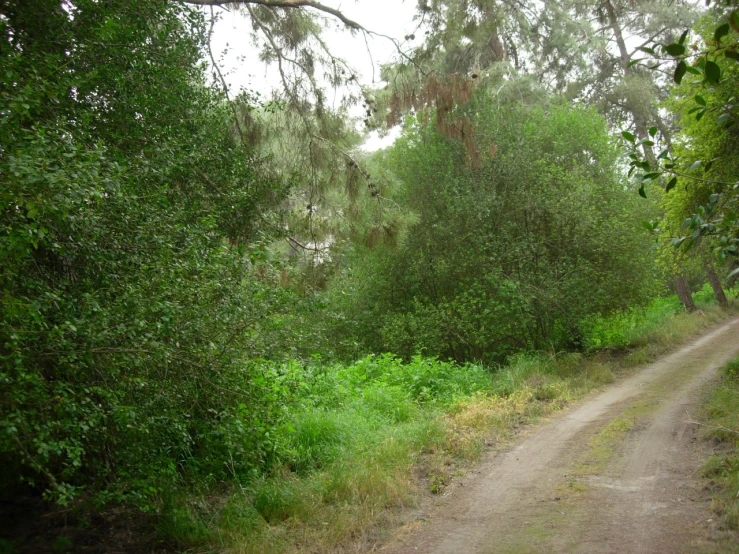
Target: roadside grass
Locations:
point(361, 442)
point(639, 335)
point(722, 426)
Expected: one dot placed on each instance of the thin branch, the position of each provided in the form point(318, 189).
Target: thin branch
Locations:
point(280, 57)
point(220, 76)
point(294, 4)
point(648, 41)
point(714, 427)
point(286, 4)
point(299, 244)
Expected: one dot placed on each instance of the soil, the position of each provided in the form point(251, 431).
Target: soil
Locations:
point(617, 473)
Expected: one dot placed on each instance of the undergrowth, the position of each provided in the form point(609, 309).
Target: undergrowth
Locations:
point(352, 445)
point(638, 335)
point(722, 411)
point(361, 441)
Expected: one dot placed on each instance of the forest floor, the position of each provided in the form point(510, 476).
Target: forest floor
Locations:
point(618, 472)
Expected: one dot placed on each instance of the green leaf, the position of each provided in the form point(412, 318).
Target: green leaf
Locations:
point(680, 71)
point(651, 176)
point(731, 54)
point(652, 131)
point(700, 100)
point(675, 49)
point(713, 72)
point(700, 115)
point(696, 164)
point(683, 36)
point(671, 184)
point(641, 192)
point(628, 136)
point(692, 70)
point(720, 32)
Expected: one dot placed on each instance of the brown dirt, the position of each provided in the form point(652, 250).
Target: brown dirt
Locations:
point(618, 473)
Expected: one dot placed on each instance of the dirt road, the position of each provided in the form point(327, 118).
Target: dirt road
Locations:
point(618, 473)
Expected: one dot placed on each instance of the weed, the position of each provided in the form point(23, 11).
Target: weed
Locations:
point(438, 483)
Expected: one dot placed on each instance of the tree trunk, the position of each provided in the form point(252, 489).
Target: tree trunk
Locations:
point(718, 289)
point(683, 293)
point(640, 122)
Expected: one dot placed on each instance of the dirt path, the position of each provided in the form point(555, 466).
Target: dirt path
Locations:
point(616, 474)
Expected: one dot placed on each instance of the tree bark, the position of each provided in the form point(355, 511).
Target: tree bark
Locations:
point(683, 293)
point(718, 289)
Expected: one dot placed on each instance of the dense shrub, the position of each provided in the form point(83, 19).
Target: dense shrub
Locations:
point(129, 310)
point(512, 249)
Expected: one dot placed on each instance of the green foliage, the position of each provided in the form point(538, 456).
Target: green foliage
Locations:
point(129, 310)
point(699, 166)
point(508, 253)
point(622, 329)
point(151, 345)
point(637, 325)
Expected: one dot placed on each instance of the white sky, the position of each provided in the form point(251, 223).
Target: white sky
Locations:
point(238, 59)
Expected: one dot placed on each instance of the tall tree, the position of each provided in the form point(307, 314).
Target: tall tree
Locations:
point(131, 216)
point(503, 249)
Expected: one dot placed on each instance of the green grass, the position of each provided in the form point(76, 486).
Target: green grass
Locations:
point(722, 414)
point(357, 443)
point(646, 325)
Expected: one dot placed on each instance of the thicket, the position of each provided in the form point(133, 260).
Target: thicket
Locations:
point(131, 309)
point(358, 441)
point(512, 253)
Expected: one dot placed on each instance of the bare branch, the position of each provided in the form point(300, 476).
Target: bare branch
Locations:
point(296, 4)
point(714, 427)
point(286, 4)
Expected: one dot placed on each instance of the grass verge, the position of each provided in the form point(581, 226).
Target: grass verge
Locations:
point(722, 470)
point(370, 439)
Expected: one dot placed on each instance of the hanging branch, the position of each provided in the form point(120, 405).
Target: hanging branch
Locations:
point(285, 4)
point(297, 4)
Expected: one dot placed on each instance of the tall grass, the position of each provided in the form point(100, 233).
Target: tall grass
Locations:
point(643, 325)
point(356, 443)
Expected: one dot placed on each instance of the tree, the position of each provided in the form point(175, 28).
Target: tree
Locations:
point(322, 162)
point(504, 249)
point(131, 220)
point(704, 158)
